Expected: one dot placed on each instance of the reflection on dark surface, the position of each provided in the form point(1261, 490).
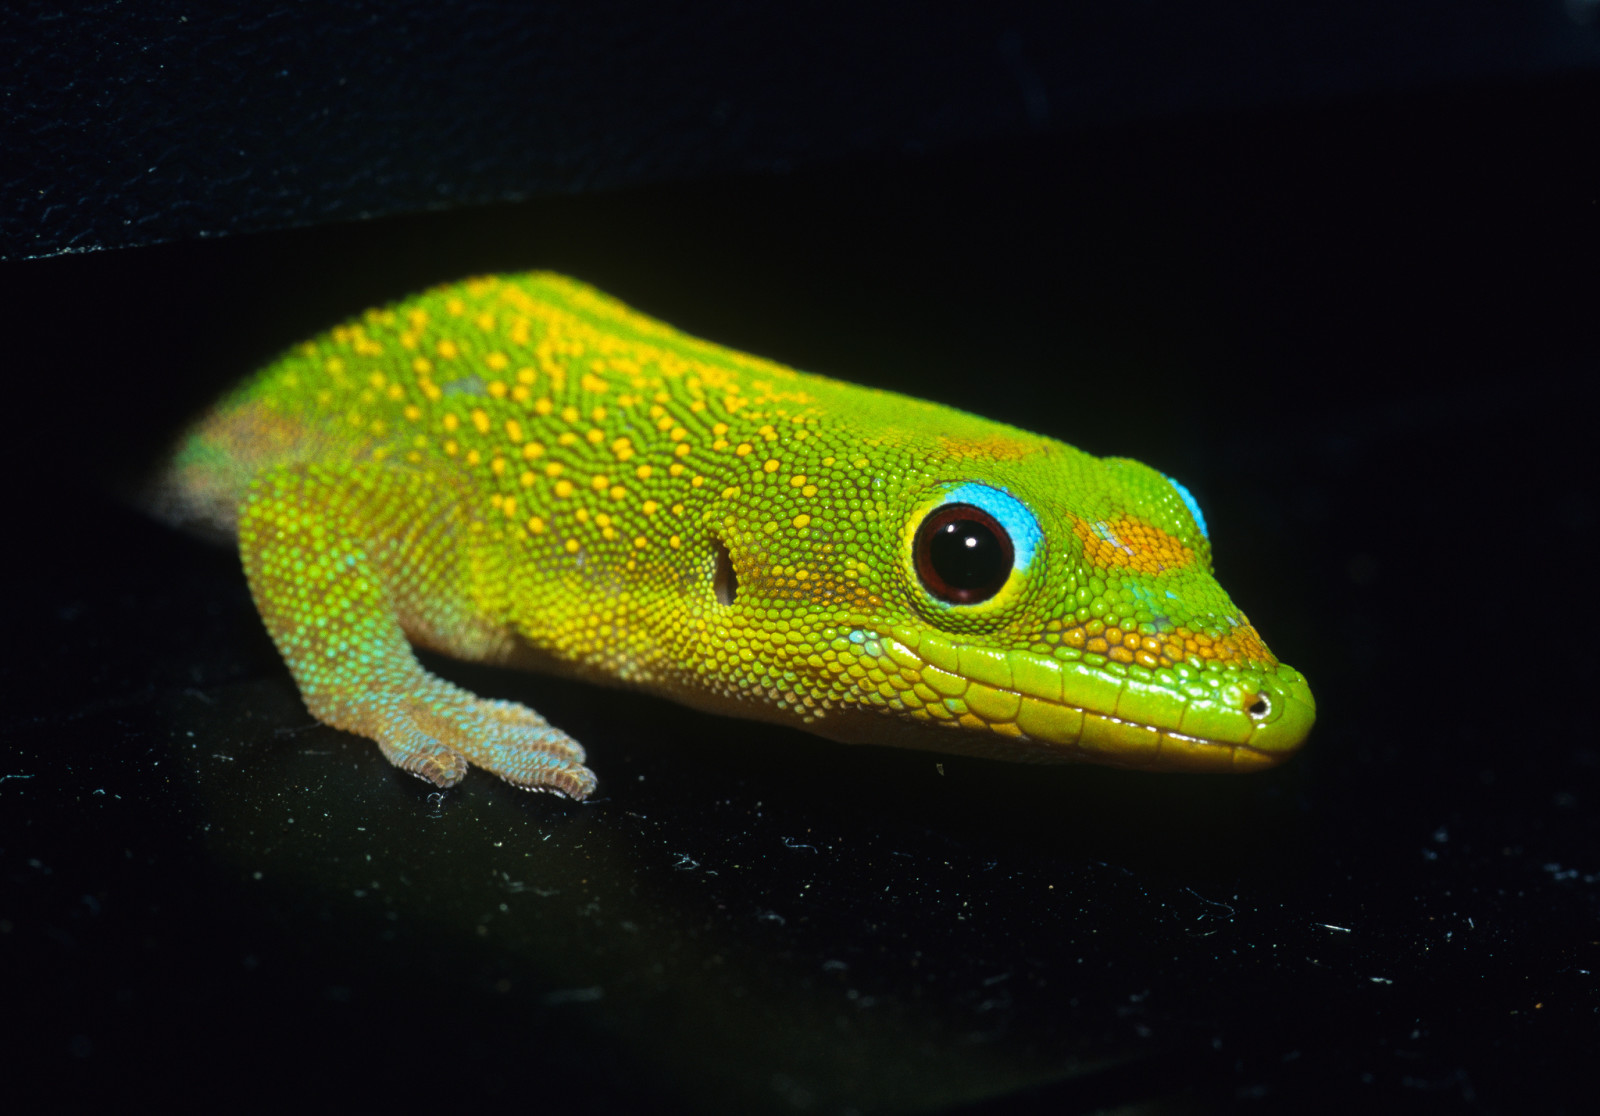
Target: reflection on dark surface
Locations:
point(1363, 350)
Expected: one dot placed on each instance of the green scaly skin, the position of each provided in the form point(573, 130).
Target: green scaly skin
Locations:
point(520, 470)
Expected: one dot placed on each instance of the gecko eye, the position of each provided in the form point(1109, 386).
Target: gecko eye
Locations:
point(962, 554)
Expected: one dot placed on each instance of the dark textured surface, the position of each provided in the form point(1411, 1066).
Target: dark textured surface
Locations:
point(1363, 336)
point(128, 124)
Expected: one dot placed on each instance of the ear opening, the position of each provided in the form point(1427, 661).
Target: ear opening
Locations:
point(724, 582)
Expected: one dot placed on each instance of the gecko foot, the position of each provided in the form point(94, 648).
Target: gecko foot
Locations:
point(438, 736)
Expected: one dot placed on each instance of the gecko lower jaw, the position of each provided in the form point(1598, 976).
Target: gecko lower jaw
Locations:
point(1015, 705)
point(1101, 739)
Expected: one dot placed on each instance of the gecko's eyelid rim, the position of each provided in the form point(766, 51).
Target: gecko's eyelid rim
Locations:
point(1191, 503)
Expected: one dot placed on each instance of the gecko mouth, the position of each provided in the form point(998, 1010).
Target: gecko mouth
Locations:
point(1028, 707)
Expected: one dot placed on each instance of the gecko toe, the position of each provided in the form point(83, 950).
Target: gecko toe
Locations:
point(443, 769)
point(426, 758)
point(575, 781)
point(532, 754)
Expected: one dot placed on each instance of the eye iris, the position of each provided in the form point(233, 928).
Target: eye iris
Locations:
point(963, 555)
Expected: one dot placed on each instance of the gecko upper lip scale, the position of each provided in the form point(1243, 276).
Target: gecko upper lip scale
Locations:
point(520, 461)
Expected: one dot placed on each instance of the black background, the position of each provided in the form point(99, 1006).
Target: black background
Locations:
point(1360, 325)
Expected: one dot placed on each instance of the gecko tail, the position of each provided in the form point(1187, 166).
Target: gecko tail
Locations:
point(200, 482)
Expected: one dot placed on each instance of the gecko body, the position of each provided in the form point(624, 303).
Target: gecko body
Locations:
point(519, 469)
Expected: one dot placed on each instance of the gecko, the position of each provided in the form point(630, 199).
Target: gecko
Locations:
point(521, 470)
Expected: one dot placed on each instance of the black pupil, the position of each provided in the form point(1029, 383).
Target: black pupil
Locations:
point(966, 557)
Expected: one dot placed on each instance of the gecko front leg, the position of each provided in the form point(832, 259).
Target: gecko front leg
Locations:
point(343, 562)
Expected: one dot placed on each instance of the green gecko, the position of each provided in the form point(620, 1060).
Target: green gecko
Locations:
point(520, 470)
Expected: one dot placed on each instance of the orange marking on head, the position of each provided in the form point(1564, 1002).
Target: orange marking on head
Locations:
point(1129, 543)
point(1241, 644)
point(990, 447)
point(1237, 646)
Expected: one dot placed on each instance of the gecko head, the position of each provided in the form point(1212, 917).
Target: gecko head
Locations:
point(1069, 615)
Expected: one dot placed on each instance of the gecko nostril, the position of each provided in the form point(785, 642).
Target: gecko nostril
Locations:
point(1260, 707)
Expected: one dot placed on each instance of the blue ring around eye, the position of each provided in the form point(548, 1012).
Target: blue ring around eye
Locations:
point(1192, 504)
point(1009, 512)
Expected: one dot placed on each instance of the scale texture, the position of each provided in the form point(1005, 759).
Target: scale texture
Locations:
point(519, 469)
